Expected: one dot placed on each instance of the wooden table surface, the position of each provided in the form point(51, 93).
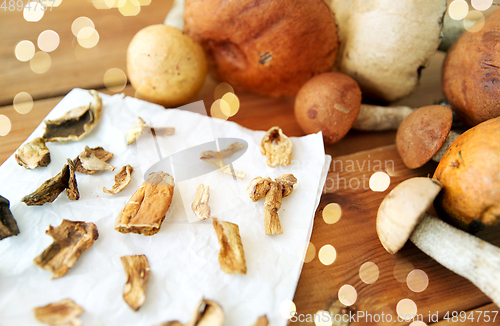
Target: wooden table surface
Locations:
point(73, 66)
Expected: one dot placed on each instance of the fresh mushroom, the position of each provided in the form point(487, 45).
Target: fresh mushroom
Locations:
point(425, 134)
point(402, 215)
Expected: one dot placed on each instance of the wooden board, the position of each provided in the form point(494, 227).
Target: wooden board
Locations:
point(355, 239)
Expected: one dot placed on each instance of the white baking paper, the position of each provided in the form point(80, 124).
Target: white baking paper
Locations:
point(183, 256)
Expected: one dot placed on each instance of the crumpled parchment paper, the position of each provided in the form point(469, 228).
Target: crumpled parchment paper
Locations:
point(183, 256)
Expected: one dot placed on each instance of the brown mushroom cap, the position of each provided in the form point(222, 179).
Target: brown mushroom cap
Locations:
point(329, 102)
point(422, 133)
point(470, 173)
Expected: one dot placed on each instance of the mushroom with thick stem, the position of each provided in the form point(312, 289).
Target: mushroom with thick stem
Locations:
point(425, 134)
point(402, 215)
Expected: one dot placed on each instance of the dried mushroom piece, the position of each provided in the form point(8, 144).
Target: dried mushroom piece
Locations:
point(215, 159)
point(75, 124)
point(98, 152)
point(50, 189)
point(262, 321)
point(146, 209)
point(140, 127)
point(137, 270)
point(231, 254)
point(59, 313)
point(274, 192)
point(171, 323)
point(71, 239)
point(91, 162)
point(33, 154)
point(8, 225)
point(207, 313)
point(276, 147)
point(200, 204)
point(122, 179)
point(72, 188)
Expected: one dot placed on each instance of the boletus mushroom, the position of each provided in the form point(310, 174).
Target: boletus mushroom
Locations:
point(402, 215)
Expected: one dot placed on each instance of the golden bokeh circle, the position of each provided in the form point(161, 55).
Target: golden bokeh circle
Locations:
point(129, 7)
point(5, 125)
point(24, 50)
point(323, 318)
point(233, 104)
point(332, 213)
point(115, 80)
point(406, 309)
point(288, 309)
point(222, 89)
point(347, 295)
point(481, 5)
point(217, 109)
point(23, 102)
point(88, 37)
point(327, 255)
point(474, 21)
point(369, 272)
point(417, 280)
point(418, 323)
point(41, 62)
point(80, 23)
point(33, 12)
point(379, 181)
point(458, 9)
point(48, 40)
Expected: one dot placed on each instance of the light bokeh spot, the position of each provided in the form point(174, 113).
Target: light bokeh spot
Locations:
point(144, 2)
point(80, 23)
point(23, 102)
point(474, 21)
point(288, 309)
point(233, 104)
point(24, 50)
point(115, 80)
point(417, 280)
point(327, 255)
point(481, 4)
point(33, 12)
point(332, 213)
point(323, 318)
point(129, 7)
point(379, 181)
point(401, 271)
point(41, 62)
point(458, 9)
point(218, 108)
point(406, 309)
point(48, 40)
point(310, 253)
point(222, 89)
point(5, 125)
point(369, 272)
point(88, 37)
point(348, 295)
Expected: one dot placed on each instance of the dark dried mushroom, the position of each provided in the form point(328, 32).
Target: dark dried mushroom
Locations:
point(71, 239)
point(122, 179)
point(59, 313)
point(33, 154)
point(8, 225)
point(50, 189)
point(74, 124)
point(99, 153)
point(137, 270)
point(72, 189)
point(208, 313)
point(91, 162)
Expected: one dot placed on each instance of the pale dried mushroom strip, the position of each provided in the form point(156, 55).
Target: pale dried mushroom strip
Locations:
point(122, 179)
point(146, 209)
point(207, 313)
point(75, 124)
point(71, 239)
point(59, 313)
point(141, 127)
point(200, 204)
point(215, 159)
point(137, 270)
point(90, 161)
point(276, 147)
point(99, 152)
point(33, 154)
point(231, 254)
point(72, 188)
point(50, 189)
point(262, 321)
point(8, 225)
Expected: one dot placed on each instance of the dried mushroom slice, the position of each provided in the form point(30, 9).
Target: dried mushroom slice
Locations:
point(8, 225)
point(276, 147)
point(122, 179)
point(72, 189)
point(207, 313)
point(200, 204)
point(137, 270)
point(50, 189)
point(258, 188)
point(286, 181)
point(231, 254)
point(91, 162)
point(59, 313)
point(33, 154)
point(75, 124)
point(71, 239)
point(215, 159)
point(262, 321)
point(146, 209)
point(98, 152)
point(140, 127)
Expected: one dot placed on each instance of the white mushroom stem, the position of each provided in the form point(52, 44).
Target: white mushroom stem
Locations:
point(468, 256)
point(447, 143)
point(378, 118)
